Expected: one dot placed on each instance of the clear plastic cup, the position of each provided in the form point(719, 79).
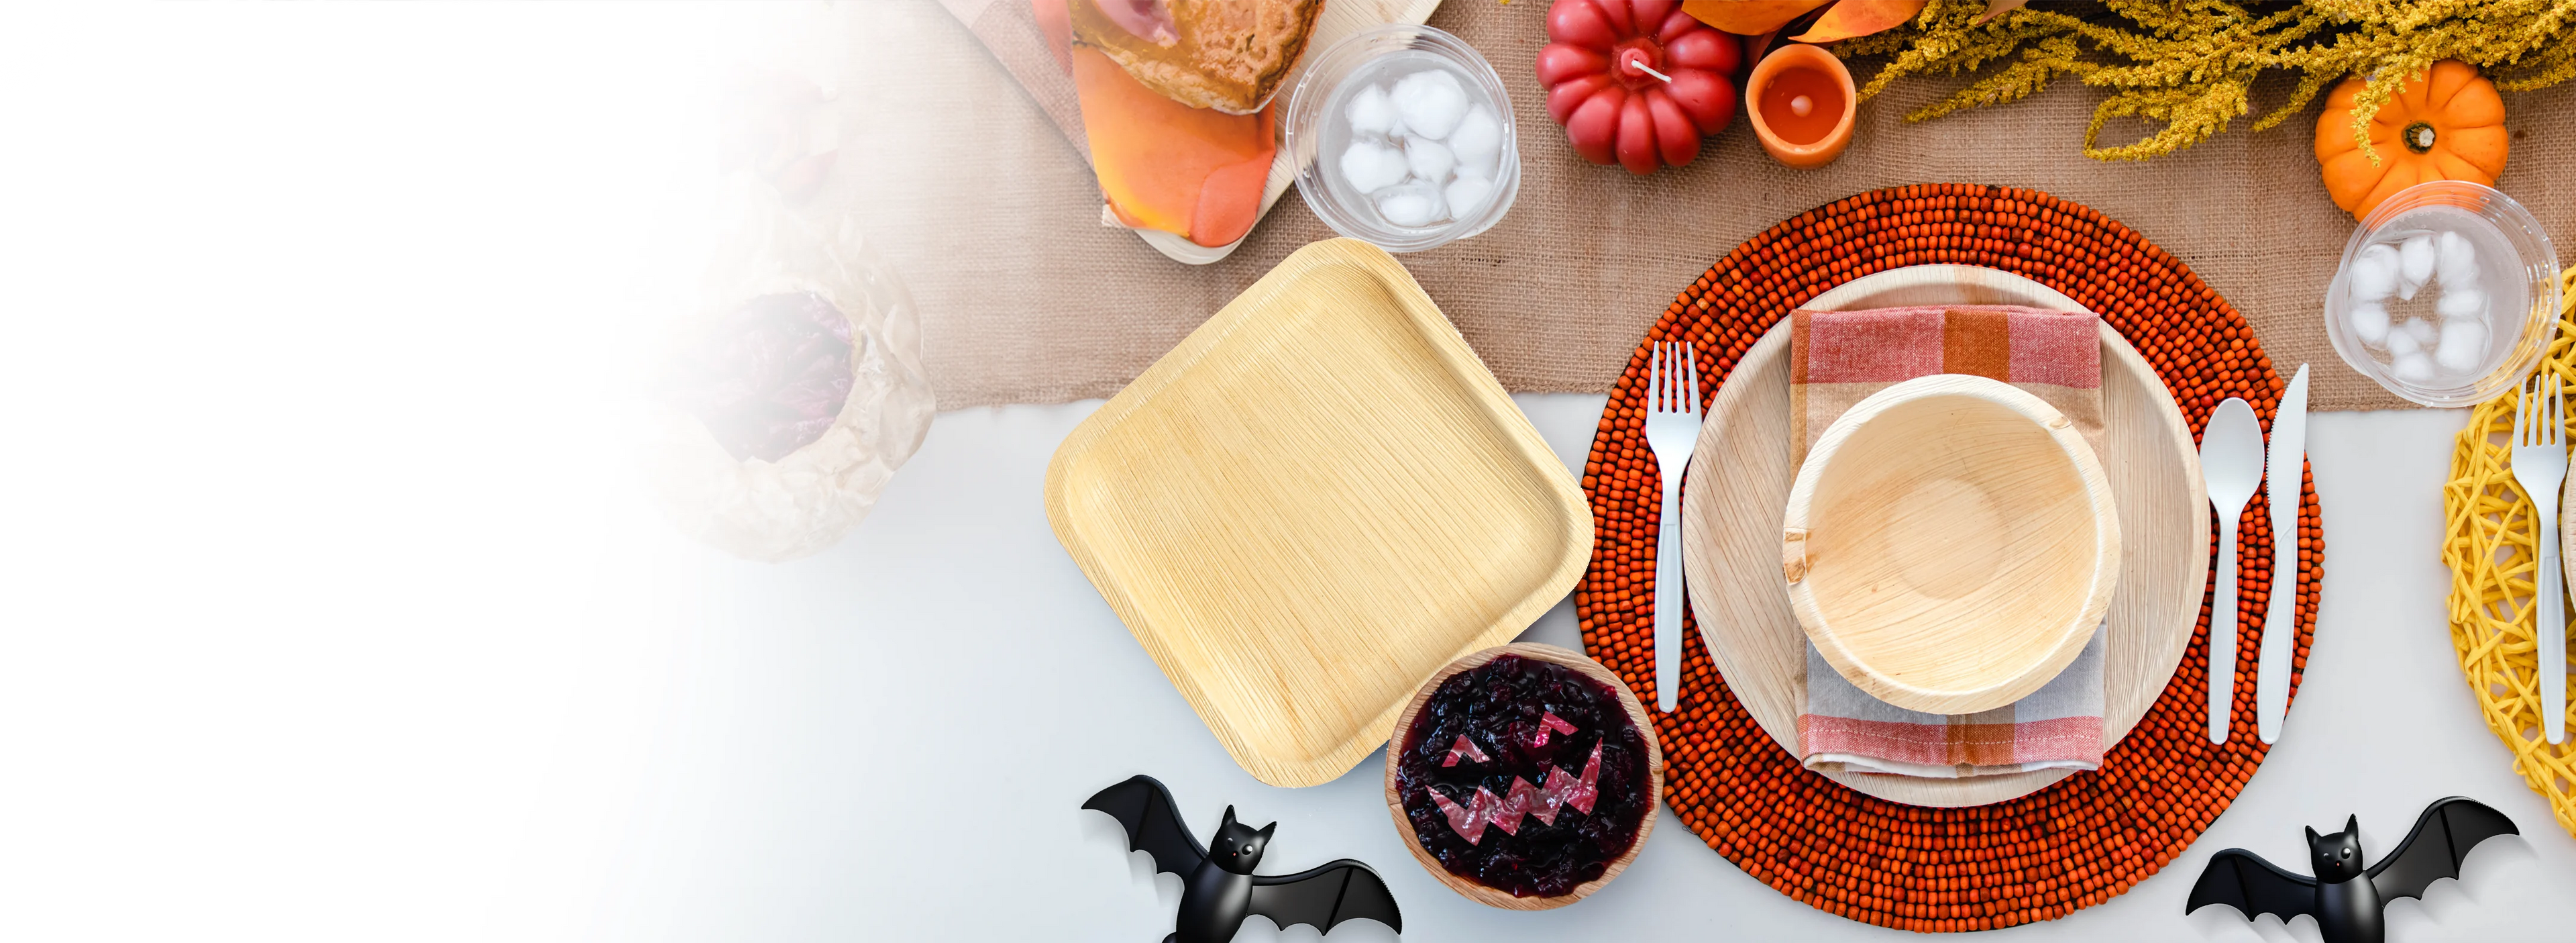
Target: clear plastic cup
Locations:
point(2521, 288)
point(1318, 131)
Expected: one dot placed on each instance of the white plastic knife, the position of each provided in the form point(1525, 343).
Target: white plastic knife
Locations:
point(2281, 481)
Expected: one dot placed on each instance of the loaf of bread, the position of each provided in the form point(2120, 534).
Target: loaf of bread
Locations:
point(1229, 55)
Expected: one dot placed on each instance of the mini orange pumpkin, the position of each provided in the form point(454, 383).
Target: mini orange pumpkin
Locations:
point(2447, 124)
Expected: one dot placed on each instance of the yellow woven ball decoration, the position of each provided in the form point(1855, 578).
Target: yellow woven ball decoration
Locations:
point(2488, 546)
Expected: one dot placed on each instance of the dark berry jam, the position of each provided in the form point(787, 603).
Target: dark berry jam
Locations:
point(768, 377)
point(1532, 728)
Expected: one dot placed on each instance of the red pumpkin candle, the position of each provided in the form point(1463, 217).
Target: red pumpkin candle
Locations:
point(1801, 102)
point(1636, 82)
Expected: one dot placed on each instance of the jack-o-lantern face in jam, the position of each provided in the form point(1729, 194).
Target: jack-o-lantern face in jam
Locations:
point(1524, 776)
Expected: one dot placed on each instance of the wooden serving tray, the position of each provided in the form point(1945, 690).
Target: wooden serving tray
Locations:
point(1339, 20)
point(1737, 493)
point(1312, 504)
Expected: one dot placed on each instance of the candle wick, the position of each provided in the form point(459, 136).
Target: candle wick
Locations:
point(1649, 70)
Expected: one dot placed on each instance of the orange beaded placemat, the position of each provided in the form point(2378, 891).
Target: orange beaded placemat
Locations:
point(2072, 845)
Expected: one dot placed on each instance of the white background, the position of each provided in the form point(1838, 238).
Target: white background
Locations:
point(785, 806)
point(329, 608)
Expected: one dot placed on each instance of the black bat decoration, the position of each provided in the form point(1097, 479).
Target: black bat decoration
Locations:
point(1219, 890)
point(2347, 900)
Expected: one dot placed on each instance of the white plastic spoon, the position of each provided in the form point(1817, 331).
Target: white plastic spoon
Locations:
point(2231, 463)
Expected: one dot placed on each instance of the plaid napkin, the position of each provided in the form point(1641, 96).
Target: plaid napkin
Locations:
point(1837, 359)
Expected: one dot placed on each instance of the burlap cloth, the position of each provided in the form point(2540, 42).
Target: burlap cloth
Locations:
point(994, 219)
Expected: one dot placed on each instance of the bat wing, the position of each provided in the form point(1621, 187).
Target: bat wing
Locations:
point(1325, 896)
point(2243, 880)
point(1153, 824)
point(2433, 851)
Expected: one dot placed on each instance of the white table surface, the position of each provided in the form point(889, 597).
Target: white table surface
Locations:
point(809, 783)
point(332, 613)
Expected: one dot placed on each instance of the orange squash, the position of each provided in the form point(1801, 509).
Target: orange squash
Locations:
point(2447, 124)
point(1749, 17)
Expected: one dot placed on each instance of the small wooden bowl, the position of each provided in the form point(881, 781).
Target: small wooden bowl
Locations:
point(1479, 893)
point(1950, 544)
point(1812, 154)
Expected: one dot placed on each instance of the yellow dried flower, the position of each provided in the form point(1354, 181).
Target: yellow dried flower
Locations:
point(2191, 65)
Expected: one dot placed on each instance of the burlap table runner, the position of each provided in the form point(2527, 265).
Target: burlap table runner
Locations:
point(993, 218)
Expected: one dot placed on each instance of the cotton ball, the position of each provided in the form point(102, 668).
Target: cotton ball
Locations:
point(2464, 346)
point(2422, 331)
point(2414, 265)
point(2457, 260)
point(1468, 195)
point(1428, 159)
point(1405, 209)
point(1368, 167)
point(1359, 165)
point(2370, 323)
point(1411, 205)
point(1392, 165)
point(1478, 137)
point(1371, 112)
point(2374, 273)
point(1481, 168)
point(2413, 368)
point(2401, 344)
point(1430, 102)
point(2461, 303)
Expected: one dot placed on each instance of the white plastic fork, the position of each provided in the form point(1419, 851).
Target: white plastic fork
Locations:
point(2540, 467)
point(1672, 429)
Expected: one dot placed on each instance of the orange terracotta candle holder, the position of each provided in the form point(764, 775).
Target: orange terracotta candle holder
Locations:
point(1801, 102)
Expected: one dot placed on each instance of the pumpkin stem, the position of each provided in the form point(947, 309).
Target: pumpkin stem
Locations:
point(2418, 137)
point(1634, 59)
